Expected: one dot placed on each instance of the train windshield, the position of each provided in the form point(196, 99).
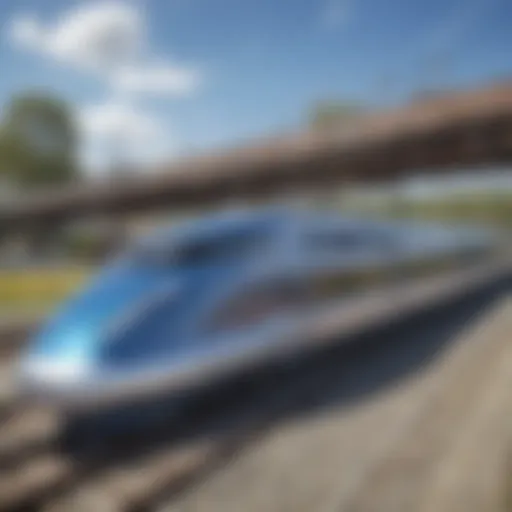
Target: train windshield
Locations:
point(201, 251)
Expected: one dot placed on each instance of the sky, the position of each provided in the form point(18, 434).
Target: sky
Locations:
point(150, 80)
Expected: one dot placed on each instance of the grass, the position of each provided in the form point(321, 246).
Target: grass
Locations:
point(485, 208)
point(37, 291)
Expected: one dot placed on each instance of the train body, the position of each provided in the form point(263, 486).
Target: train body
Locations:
point(201, 300)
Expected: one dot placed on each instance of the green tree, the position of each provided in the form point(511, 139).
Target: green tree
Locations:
point(330, 113)
point(38, 141)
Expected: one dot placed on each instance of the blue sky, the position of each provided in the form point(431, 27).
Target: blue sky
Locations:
point(196, 74)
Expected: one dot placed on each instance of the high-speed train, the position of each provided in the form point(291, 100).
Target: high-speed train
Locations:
point(197, 301)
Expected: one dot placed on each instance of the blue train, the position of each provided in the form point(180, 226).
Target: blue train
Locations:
point(189, 304)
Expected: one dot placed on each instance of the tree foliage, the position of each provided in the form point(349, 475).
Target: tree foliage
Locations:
point(329, 114)
point(38, 141)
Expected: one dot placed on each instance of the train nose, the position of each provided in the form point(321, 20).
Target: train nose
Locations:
point(46, 379)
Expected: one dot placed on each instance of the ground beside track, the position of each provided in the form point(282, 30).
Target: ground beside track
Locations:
point(435, 440)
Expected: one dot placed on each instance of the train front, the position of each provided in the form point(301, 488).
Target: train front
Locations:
point(130, 334)
point(69, 363)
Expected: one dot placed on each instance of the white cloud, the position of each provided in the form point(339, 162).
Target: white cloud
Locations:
point(115, 129)
point(116, 120)
point(108, 38)
point(25, 30)
point(92, 36)
point(158, 77)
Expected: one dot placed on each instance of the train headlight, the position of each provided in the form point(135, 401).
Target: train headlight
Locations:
point(51, 370)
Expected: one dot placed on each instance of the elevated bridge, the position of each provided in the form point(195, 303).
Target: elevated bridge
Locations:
point(469, 128)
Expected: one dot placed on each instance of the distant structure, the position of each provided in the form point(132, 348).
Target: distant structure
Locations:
point(468, 128)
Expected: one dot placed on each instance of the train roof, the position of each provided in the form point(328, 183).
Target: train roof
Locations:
point(266, 219)
point(218, 224)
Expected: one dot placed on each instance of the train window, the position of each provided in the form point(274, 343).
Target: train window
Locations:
point(216, 249)
point(200, 251)
point(345, 239)
point(256, 306)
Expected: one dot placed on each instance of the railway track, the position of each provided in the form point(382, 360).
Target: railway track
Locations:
point(379, 451)
point(162, 464)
